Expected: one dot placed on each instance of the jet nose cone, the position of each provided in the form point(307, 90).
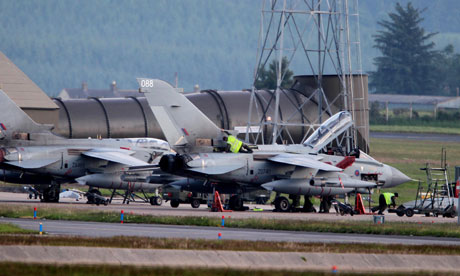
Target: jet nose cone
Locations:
point(397, 178)
point(268, 186)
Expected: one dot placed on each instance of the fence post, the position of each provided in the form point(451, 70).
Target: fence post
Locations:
point(410, 111)
point(386, 107)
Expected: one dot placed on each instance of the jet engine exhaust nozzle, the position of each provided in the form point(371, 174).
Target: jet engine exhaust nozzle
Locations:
point(171, 163)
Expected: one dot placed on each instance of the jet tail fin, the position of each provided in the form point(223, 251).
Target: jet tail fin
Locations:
point(13, 120)
point(182, 123)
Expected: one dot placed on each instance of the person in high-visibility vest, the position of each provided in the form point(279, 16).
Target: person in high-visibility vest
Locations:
point(234, 145)
point(385, 200)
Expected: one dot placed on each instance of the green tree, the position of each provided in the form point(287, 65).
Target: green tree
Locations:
point(448, 70)
point(407, 62)
point(266, 79)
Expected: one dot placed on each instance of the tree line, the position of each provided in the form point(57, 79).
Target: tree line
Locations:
point(409, 63)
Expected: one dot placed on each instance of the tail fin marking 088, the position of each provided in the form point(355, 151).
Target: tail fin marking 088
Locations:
point(181, 121)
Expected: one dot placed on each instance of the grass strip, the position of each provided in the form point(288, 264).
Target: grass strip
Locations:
point(232, 245)
point(7, 228)
point(414, 129)
point(338, 226)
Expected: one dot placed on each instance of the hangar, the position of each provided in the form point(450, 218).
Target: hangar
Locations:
point(26, 94)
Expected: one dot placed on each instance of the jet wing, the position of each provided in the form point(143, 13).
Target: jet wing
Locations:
point(116, 157)
point(303, 161)
point(33, 164)
point(214, 170)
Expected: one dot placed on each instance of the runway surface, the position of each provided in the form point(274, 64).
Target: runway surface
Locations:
point(97, 229)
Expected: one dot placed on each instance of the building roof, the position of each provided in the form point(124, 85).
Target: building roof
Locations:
point(407, 99)
point(84, 92)
point(22, 90)
point(452, 103)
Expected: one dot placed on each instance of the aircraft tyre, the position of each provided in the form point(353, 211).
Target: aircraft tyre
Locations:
point(409, 212)
point(282, 204)
point(156, 200)
point(236, 203)
point(195, 203)
point(174, 203)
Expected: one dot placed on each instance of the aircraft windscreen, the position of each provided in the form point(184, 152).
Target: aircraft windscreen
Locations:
point(329, 130)
point(150, 143)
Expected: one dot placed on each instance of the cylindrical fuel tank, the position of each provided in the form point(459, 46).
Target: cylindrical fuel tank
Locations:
point(132, 116)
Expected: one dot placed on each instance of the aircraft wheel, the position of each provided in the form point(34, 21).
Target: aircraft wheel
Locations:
point(409, 212)
point(195, 203)
point(174, 203)
point(156, 200)
point(106, 202)
point(400, 213)
point(282, 204)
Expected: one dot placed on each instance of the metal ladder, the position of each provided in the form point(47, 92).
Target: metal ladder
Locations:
point(438, 195)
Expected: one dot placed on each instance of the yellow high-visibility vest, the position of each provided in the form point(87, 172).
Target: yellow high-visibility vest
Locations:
point(388, 197)
point(235, 144)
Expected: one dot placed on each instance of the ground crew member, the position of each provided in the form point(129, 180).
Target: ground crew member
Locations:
point(385, 200)
point(234, 145)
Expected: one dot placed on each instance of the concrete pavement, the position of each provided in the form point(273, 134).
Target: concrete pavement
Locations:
point(248, 260)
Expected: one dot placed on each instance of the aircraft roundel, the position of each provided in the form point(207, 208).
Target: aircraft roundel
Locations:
point(357, 172)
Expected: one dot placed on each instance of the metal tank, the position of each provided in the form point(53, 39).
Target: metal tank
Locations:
point(132, 117)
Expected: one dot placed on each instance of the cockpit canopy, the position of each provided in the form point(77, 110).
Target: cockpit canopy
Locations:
point(329, 130)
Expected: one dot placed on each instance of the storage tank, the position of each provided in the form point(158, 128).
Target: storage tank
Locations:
point(132, 117)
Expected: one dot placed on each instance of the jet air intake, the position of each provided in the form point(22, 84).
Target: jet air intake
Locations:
point(171, 163)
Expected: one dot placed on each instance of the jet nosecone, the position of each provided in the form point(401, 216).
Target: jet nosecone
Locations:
point(395, 178)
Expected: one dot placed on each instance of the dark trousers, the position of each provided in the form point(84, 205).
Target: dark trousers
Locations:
point(382, 205)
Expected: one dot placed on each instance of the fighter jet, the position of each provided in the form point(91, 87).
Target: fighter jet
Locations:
point(293, 169)
point(31, 154)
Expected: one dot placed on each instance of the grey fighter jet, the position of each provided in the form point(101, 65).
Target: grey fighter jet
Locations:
point(31, 154)
point(293, 169)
